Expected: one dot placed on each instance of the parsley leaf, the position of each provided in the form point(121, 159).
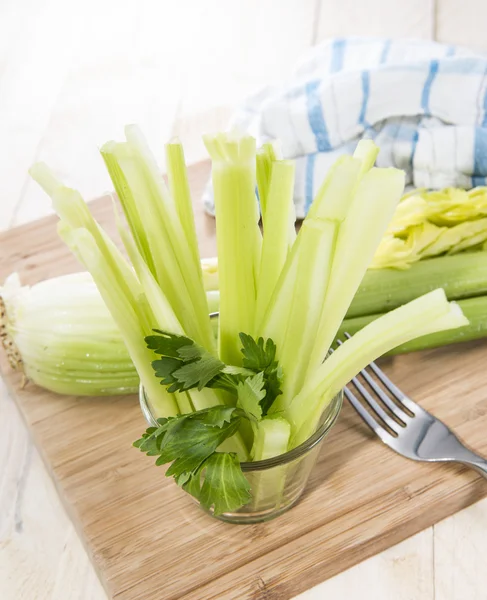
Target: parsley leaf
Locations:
point(250, 394)
point(183, 364)
point(257, 356)
point(260, 356)
point(189, 442)
point(224, 485)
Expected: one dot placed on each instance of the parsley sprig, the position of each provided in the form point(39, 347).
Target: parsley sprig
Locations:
point(190, 442)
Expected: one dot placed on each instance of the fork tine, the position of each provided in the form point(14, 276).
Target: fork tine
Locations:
point(391, 405)
point(372, 423)
point(375, 406)
point(395, 391)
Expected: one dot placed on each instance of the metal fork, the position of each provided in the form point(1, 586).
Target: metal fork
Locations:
point(414, 432)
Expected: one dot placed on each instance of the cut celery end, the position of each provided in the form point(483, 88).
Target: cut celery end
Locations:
point(333, 199)
point(431, 312)
point(366, 151)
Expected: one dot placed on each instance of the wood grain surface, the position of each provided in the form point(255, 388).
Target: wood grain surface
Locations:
point(148, 539)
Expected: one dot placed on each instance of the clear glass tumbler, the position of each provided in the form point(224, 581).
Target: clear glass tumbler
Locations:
point(276, 483)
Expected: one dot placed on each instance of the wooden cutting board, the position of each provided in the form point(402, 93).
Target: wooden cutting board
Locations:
point(147, 539)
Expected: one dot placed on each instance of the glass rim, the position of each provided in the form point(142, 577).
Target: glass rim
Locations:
point(329, 418)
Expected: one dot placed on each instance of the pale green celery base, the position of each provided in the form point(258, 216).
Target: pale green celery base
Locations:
point(70, 386)
point(107, 279)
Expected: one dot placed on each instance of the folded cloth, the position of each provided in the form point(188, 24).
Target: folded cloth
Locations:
point(423, 103)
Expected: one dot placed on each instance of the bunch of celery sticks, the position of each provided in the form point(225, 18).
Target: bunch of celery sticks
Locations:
point(260, 387)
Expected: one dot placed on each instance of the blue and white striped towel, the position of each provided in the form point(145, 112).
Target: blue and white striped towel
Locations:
point(424, 104)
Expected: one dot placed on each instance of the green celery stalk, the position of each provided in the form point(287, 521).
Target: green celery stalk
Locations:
point(238, 238)
point(265, 157)
point(166, 320)
point(427, 314)
point(297, 332)
point(370, 211)
point(74, 211)
point(295, 310)
point(275, 245)
point(271, 438)
point(367, 152)
point(160, 232)
point(108, 152)
point(474, 309)
point(179, 186)
point(461, 276)
point(133, 331)
point(164, 315)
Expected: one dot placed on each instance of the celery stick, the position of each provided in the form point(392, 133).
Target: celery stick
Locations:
point(427, 314)
point(367, 152)
point(41, 173)
point(461, 276)
point(74, 211)
point(271, 438)
point(238, 238)
point(163, 237)
point(275, 244)
point(265, 157)
point(127, 200)
point(107, 281)
point(179, 186)
point(370, 211)
point(335, 195)
point(331, 205)
point(163, 313)
point(474, 309)
point(298, 331)
point(170, 222)
point(165, 319)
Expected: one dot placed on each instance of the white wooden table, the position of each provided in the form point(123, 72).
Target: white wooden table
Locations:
point(71, 75)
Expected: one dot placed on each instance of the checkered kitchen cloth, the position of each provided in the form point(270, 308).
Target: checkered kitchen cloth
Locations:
point(424, 104)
